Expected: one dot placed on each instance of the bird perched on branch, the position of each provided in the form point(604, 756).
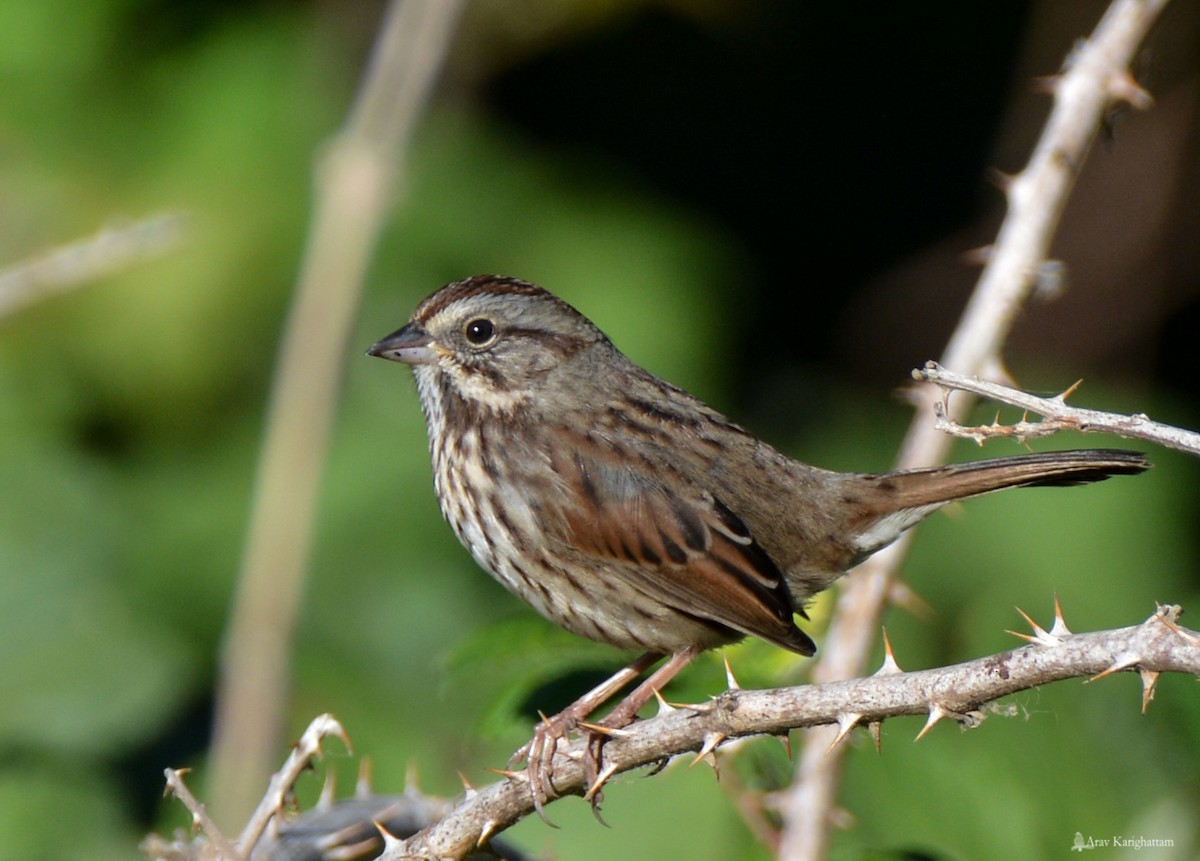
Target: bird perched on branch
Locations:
point(625, 510)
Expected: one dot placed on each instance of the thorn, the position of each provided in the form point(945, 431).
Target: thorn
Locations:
point(889, 667)
point(1171, 611)
point(328, 791)
point(390, 840)
point(1062, 396)
point(362, 783)
point(489, 828)
point(711, 741)
point(730, 681)
point(786, 741)
point(1117, 667)
point(1167, 614)
point(1037, 629)
point(1059, 629)
point(701, 708)
point(601, 729)
point(1021, 636)
point(523, 774)
point(875, 728)
point(1149, 680)
point(1040, 636)
point(1121, 85)
point(469, 791)
point(846, 722)
point(936, 713)
point(664, 707)
point(411, 779)
point(602, 778)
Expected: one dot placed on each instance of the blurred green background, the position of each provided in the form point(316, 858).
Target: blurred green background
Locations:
point(764, 202)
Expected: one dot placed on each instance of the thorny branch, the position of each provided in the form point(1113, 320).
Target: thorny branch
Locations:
point(1056, 414)
point(1095, 76)
point(961, 692)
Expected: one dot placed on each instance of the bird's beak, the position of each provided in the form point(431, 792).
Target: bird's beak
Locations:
point(409, 345)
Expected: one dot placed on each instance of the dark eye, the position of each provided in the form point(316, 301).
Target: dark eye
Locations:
point(480, 331)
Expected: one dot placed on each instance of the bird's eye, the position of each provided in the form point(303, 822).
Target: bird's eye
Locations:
point(480, 331)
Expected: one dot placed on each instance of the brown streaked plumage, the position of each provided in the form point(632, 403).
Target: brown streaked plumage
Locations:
point(626, 510)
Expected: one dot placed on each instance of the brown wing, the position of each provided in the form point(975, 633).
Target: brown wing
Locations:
point(687, 550)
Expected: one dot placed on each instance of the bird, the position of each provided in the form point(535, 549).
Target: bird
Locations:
point(625, 510)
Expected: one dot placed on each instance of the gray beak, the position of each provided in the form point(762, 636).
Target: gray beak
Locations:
point(409, 345)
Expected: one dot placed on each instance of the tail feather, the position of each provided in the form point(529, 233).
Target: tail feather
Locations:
point(898, 500)
point(935, 485)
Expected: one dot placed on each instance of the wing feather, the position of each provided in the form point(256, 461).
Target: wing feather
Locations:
point(686, 549)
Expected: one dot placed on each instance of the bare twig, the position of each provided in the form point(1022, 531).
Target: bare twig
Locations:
point(1056, 414)
point(307, 749)
point(216, 844)
point(114, 248)
point(1096, 76)
point(356, 184)
point(958, 692)
point(211, 844)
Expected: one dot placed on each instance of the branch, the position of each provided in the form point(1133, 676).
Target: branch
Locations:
point(1056, 414)
point(960, 692)
point(75, 264)
point(1095, 77)
point(344, 829)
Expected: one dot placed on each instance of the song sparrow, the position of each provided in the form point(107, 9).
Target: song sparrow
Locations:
point(624, 509)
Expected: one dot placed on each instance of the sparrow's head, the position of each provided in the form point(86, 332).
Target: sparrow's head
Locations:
point(491, 341)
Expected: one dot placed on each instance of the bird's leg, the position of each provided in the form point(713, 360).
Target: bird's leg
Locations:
point(623, 715)
point(538, 752)
point(627, 709)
